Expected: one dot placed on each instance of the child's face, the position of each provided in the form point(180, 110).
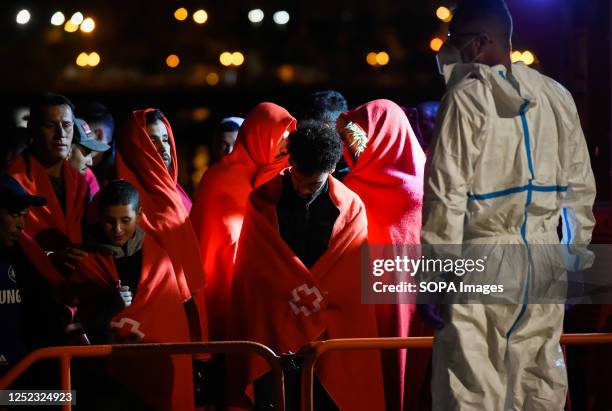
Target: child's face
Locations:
point(119, 223)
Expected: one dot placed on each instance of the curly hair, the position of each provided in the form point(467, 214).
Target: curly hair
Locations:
point(314, 147)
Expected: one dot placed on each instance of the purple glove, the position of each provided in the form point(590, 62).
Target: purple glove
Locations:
point(429, 313)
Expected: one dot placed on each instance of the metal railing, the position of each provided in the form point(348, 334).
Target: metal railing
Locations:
point(314, 350)
point(65, 354)
point(311, 353)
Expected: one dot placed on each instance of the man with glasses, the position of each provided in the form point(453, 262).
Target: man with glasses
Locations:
point(509, 158)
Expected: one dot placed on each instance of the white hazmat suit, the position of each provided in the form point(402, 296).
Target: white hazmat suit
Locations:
point(509, 159)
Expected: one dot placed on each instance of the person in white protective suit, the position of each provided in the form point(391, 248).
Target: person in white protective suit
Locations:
point(509, 158)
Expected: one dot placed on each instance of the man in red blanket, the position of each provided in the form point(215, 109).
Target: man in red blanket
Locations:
point(30, 315)
point(297, 279)
point(259, 155)
point(44, 170)
point(386, 170)
point(146, 157)
point(129, 294)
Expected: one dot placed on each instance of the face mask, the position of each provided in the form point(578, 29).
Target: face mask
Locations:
point(449, 54)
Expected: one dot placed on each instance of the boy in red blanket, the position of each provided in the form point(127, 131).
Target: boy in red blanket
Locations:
point(297, 279)
point(128, 294)
point(146, 157)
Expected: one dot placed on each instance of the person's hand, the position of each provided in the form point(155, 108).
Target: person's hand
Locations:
point(69, 258)
point(126, 295)
point(429, 313)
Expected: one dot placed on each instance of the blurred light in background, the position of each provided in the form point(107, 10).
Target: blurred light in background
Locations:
point(58, 18)
point(237, 58)
point(286, 73)
point(436, 44)
point(371, 58)
point(88, 25)
point(181, 14)
point(444, 14)
point(256, 16)
point(70, 26)
point(382, 58)
point(528, 57)
point(23, 17)
point(212, 79)
point(172, 60)
point(93, 59)
point(200, 114)
point(200, 16)
point(77, 18)
point(281, 17)
point(226, 58)
point(82, 60)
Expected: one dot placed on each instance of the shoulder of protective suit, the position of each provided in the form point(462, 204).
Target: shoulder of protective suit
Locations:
point(471, 97)
point(558, 92)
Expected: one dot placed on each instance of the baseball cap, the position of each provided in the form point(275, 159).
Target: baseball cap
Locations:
point(14, 198)
point(86, 137)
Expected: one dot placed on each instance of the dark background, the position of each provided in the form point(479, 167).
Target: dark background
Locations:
point(325, 43)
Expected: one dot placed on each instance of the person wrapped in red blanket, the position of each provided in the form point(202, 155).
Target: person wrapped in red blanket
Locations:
point(146, 157)
point(43, 170)
point(386, 170)
point(297, 279)
point(31, 315)
point(259, 154)
point(128, 293)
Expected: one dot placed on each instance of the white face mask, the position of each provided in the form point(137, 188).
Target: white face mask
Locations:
point(449, 54)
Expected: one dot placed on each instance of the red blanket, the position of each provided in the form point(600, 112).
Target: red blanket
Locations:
point(222, 197)
point(278, 302)
point(388, 177)
point(38, 258)
point(165, 215)
point(156, 315)
point(92, 182)
point(49, 225)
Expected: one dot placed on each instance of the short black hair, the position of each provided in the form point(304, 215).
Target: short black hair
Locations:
point(484, 15)
point(314, 147)
point(95, 113)
point(324, 106)
point(153, 116)
point(118, 192)
point(45, 100)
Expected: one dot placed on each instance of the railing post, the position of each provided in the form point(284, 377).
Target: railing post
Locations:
point(66, 384)
point(310, 357)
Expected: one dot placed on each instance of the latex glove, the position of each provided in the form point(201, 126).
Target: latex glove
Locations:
point(429, 313)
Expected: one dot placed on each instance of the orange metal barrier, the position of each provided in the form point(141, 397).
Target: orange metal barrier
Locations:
point(314, 350)
point(66, 354)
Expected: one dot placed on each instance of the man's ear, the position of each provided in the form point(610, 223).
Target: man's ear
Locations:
point(98, 132)
point(484, 38)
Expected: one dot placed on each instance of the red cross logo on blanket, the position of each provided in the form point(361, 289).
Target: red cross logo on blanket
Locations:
point(306, 300)
point(127, 326)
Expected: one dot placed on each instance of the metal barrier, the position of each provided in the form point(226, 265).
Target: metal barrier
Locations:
point(314, 350)
point(66, 354)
